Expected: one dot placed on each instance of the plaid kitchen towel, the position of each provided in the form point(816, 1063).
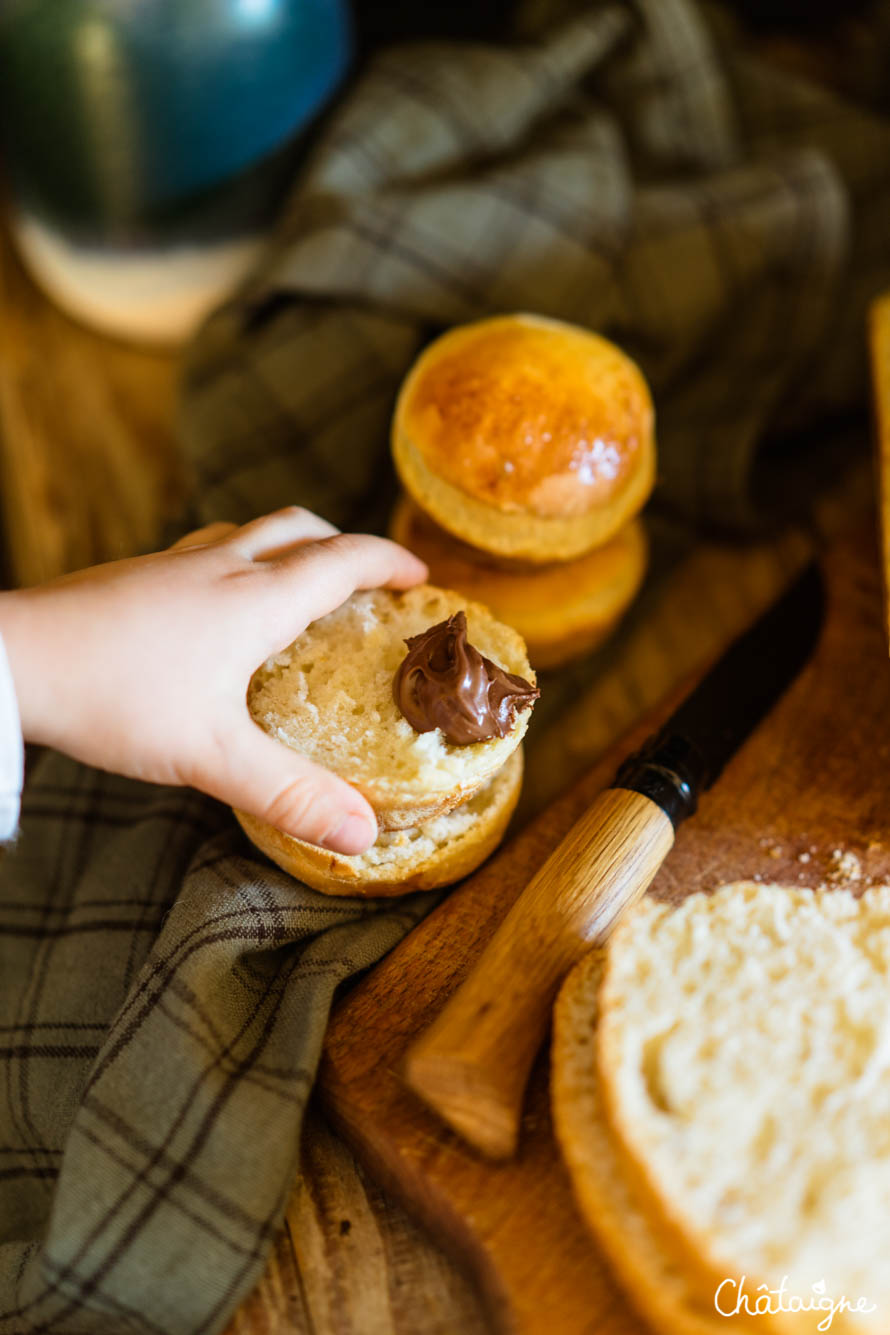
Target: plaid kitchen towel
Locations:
point(163, 990)
point(632, 171)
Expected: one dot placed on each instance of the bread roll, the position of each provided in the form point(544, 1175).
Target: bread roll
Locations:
point(561, 610)
point(526, 437)
point(743, 1054)
point(654, 1280)
point(431, 855)
point(330, 697)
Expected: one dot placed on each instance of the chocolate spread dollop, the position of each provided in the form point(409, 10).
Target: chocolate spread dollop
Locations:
point(444, 682)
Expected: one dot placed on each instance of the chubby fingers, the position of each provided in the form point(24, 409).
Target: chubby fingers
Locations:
point(263, 539)
point(268, 780)
point(206, 536)
point(325, 573)
point(273, 535)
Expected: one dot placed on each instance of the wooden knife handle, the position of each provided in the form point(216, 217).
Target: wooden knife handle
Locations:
point(473, 1063)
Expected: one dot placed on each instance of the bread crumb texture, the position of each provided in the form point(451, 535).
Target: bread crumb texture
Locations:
point(744, 1051)
point(329, 695)
point(420, 843)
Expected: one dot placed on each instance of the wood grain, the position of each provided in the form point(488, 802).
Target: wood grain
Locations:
point(879, 355)
point(90, 468)
point(349, 1262)
point(808, 787)
point(472, 1065)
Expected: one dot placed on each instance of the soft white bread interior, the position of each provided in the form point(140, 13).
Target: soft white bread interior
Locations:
point(743, 1052)
point(424, 858)
point(655, 1282)
point(330, 696)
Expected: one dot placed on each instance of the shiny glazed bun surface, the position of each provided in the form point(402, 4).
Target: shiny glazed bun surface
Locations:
point(529, 414)
point(526, 437)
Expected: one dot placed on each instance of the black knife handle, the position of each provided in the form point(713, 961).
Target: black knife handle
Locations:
point(670, 770)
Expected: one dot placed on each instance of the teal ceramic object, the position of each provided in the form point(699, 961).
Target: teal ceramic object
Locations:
point(125, 118)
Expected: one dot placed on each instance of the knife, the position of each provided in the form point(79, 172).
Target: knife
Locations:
point(472, 1065)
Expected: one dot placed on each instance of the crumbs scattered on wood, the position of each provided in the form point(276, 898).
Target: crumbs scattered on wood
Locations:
point(845, 866)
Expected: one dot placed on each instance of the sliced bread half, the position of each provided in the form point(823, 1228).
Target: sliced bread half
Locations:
point(329, 695)
point(424, 858)
point(743, 1053)
point(653, 1277)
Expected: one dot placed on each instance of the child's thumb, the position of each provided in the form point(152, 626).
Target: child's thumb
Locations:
point(268, 780)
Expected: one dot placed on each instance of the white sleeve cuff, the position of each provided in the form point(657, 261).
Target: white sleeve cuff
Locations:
point(12, 752)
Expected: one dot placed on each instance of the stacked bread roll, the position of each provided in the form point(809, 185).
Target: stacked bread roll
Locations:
point(441, 808)
point(526, 450)
point(721, 1092)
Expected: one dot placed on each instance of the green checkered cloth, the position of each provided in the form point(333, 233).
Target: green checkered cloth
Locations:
point(165, 990)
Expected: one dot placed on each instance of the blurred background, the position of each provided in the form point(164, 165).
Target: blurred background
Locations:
point(228, 227)
point(148, 152)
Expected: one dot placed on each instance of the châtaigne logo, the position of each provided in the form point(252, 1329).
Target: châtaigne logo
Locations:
point(732, 1297)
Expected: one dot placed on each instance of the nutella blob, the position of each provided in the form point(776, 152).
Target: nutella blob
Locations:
point(444, 682)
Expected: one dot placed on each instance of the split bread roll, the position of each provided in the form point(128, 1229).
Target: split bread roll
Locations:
point(438, 853)
point(741, 1063)
point(652, 1277)
point(329, 695)
point(561, 610)
point(526, 437)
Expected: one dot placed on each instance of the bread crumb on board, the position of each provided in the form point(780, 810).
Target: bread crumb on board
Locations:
point(845, 867)
point(826, 868)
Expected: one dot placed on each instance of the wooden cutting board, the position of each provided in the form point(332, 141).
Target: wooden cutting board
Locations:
point(879, 356)
point(806, 801)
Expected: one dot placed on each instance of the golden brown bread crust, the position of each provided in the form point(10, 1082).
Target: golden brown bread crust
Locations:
point(561, 610)
point(528, 414)
point(335, 874)
point(522, 417)
point(672, 1299)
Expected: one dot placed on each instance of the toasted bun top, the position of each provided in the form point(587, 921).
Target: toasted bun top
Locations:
point(528, 413)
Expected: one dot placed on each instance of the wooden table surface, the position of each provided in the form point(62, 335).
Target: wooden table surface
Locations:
point(90, 470)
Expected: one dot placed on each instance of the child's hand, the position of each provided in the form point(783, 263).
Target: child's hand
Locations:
point(142, 666)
